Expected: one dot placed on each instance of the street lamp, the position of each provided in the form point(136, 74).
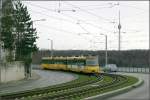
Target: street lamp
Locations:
point(32, 31)
point(51, 47)
point(37, 20)
point(31, 53)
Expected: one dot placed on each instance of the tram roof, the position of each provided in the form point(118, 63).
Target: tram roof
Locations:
point(72, 57)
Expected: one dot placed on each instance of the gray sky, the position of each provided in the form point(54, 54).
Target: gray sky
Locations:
point(79, 23)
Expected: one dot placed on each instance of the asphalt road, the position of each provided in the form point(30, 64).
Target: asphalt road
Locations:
point(42, 78)
point(139, 93)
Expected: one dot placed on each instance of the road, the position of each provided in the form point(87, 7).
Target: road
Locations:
point(43, 78)
point(140, 93)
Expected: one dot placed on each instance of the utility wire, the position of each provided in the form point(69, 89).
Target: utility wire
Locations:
point(41, 7)
point(54, 28)
point(53, 17)
point(41, 13)
point(95, 26)
point(75, 19)
point(99, 17)
point(61, 30)
point(131, 6)
point(83, 28)
point(94, 5)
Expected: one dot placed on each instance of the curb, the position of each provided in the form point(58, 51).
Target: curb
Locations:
point(115, 92)
point(35, 77)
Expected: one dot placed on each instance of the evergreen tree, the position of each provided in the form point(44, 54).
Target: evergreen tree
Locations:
point(7, 23)
point(26, 35)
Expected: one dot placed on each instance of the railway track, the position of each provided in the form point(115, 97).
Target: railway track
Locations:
point(82, 91)
point(85, 87)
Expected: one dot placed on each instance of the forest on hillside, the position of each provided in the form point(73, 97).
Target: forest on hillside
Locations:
point(126, 58)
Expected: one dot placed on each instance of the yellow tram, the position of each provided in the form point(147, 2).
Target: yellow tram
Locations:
point(88, 64)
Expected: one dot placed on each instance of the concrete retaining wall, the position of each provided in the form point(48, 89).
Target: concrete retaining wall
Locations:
point(11, 71)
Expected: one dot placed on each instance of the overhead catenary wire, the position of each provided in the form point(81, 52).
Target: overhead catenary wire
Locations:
point(76, 19)
point(133, 6)
point(93, 14)
point(99, 7)
point(60, 19)
point(58, 29)
point(61, 30)
point(46, 8)
point(82, 21)
point(87, 32)
point(69, 16)
point(53, 10)
point(41, 13)
point(66, 32)
point(53, 17)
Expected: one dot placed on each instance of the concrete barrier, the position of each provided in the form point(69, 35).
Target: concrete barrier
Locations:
point(11, 71)
point(115, 92)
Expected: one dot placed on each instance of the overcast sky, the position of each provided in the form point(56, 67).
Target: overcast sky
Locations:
point(77, 25)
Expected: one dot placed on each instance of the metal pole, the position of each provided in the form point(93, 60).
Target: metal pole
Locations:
point(31, 56)
point(149, 55)
point(119, 27)
point(149, 60)
point(30, 69)
point(119, 41)
point(106, 50)
point(51, 48)
point(1, 4)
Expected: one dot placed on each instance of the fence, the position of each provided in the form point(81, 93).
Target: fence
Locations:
point(134, 69)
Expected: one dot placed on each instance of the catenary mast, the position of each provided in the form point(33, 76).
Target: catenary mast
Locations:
point(119, 27)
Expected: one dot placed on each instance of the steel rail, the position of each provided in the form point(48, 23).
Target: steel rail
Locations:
point(50, 89)
point(82, 91)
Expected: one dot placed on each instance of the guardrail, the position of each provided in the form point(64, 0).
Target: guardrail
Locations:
point(134, 69)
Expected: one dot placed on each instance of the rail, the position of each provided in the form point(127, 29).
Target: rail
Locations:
point(76, 89)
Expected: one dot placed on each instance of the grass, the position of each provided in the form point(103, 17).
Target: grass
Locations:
point(82, 78)
point(77, 93)
point(130, 80)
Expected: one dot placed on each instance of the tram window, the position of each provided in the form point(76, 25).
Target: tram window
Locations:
point(57, 61)
point(76, 62)
point(81, 63)
point(53, 61)
point(69, 62)
point(50, 61)
point(63, 61)
point(45, 61)
point(91, 62)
